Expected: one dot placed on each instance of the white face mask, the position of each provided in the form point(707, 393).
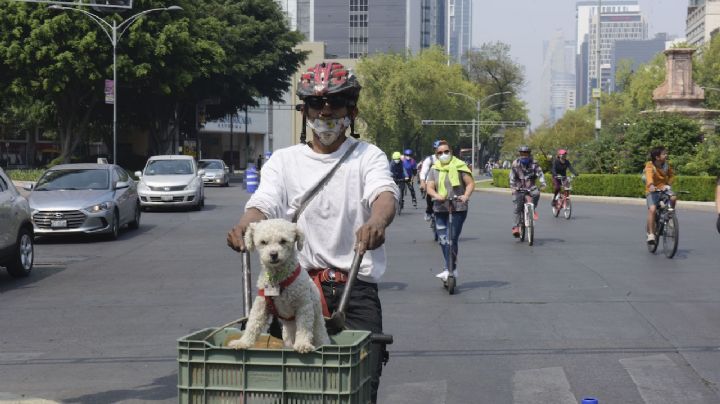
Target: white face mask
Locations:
point(445, 158)
point(397, 161)
point(328, 130)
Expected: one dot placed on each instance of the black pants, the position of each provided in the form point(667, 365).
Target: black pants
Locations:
point(429, 206)
point(363, 313)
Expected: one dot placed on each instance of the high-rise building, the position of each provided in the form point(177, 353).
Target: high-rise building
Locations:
point(459, 28)
point(618, 20)
point(637, 52)
point(558, 77)
point(702, 22)
point(433, 19)
point(357, 28)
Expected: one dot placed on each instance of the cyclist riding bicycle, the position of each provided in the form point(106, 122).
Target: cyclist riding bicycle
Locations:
point(449, 177)
point(658, 176)
point(411, 168)
point(524, 173)
point(425, 168)
point(558, 168)
point(399, 175)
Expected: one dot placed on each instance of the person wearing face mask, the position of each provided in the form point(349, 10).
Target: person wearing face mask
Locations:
point(425, 168)
point(449, 177)
point(525, 173)
point(349, 213)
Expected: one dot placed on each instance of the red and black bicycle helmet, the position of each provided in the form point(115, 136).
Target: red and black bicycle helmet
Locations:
point(328, 78)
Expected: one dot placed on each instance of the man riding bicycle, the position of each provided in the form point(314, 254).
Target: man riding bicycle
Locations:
point(411, 168)
point(524, 173)
point(558, 168)
point(658, 177)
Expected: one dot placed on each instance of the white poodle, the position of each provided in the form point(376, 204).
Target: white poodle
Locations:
point(284, 289)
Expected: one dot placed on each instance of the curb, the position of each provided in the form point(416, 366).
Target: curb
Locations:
point(690, 205)
point(7, 398)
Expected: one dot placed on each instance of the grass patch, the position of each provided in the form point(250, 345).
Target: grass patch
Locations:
point(25, 175)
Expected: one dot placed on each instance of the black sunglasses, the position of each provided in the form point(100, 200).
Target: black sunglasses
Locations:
point(439, 153)
point(334, 102)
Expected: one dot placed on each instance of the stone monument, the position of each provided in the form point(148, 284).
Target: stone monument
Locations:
point(679, 94)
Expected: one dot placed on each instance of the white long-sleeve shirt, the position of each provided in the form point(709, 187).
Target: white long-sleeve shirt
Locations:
point(343, 205)
point(425, 169)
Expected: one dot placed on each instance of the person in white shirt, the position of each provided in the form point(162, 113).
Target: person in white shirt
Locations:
point(350, 213)
point(423, 175)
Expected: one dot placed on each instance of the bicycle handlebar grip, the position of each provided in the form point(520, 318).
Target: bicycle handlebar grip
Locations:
point(386, 339)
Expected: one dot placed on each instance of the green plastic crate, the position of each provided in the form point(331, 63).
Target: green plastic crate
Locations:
point(338, 373)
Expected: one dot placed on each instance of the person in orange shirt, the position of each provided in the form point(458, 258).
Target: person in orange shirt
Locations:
point(658, 177)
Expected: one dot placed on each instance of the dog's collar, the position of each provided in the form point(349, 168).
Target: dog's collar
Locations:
point(286, 282)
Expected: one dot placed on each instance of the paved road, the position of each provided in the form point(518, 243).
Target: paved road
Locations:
point(587, 311)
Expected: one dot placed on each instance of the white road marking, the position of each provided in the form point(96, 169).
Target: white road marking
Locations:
point(546, 385)
point(660, 381)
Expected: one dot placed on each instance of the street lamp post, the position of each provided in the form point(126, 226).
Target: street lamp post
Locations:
point(476, 120)
point(112, 33)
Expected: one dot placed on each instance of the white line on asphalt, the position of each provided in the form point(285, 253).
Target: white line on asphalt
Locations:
point(8, 398)
point(660, 381)
point(546, 385)
point(430, 392)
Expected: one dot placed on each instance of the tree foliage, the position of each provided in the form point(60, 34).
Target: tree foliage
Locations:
point(167, 63)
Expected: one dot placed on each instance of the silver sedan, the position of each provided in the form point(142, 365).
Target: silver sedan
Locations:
point(216, 172)
point(84, 198)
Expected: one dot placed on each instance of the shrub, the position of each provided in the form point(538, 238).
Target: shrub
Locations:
point(701, 188)
point(25, 175)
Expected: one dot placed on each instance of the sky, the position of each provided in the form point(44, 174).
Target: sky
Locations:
point(525, 24)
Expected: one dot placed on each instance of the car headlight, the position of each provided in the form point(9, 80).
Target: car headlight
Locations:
point(103, 206)
point(192, 185)
point(142, 187)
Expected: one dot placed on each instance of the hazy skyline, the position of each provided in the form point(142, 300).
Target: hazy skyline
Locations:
point(525, 24)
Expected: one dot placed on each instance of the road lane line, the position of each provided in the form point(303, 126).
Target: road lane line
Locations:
point(546, 385)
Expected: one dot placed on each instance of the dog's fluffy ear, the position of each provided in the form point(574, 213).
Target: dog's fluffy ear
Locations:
point(249, 243)
point(299, 238)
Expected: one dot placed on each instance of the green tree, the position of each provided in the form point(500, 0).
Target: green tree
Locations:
point(494, 70)
point(167, 63)
point(399, 92)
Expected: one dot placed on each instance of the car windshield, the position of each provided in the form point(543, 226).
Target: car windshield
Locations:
point(73, 179)
point(211, 164)
point(169, 167)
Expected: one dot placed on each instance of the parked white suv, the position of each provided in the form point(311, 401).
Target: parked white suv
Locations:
point(171, 180)
point(16, 230)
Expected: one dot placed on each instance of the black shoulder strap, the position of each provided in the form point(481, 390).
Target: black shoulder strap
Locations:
point(322, 183)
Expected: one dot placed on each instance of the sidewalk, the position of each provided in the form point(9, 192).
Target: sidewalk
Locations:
point(693, 205)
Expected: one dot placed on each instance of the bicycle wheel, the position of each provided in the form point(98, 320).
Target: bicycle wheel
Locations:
point(531, 233)
point(567, 209)
point(555, 208)
point(670, 236)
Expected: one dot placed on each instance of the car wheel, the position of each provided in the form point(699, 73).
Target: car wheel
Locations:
point(136, 221)
point(115, 229)
point(22, 261)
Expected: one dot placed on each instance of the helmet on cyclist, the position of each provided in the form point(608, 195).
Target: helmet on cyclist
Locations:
point(524, 149)
point(408, 152)
point(436, 143)
point(328, 78)
point(396, 155)
point(561, 152)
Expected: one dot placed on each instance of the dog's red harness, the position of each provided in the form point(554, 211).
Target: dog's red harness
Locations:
point(284, 284)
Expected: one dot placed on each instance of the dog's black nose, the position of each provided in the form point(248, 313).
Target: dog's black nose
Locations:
point(274, 256)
